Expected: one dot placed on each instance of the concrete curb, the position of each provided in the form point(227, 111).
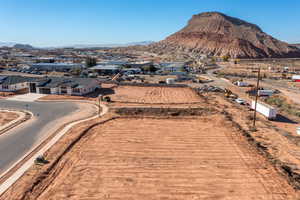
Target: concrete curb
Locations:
point(27, 115)
point(19, 172)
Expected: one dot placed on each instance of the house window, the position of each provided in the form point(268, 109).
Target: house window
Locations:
point(5, 87)
point(76, 90)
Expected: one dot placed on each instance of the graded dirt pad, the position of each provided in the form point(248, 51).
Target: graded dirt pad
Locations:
point(151, 158)
point(6, 117)
point(154, 95)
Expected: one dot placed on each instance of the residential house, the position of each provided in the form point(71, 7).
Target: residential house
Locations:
point(13, 83)
point(49, 85)
point(67, 86)
point(106, 69)
point(56, 66)
point(172, 67)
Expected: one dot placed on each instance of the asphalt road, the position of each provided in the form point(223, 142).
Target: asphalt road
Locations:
point(292, 93)
point(15, 143)
point(216, 81)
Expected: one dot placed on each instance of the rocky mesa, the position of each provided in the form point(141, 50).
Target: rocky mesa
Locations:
point(217, 34)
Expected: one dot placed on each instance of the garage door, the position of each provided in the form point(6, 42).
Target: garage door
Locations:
point(45, 91)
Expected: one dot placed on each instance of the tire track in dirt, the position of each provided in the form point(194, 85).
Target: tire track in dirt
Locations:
point(151, 159)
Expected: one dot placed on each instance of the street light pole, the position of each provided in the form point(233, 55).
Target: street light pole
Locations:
point(256, 97)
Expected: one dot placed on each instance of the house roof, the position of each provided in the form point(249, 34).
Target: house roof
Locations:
point(106, 67)
point(173, 64)
point(49, 82)
point(11, 80)
point(54, 82)
point(56, 65)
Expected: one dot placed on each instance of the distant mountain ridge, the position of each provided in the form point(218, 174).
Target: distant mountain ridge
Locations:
point(27, 46)
point(7, 44)
point(16, 45)
point(79, 46)
point(217, 34)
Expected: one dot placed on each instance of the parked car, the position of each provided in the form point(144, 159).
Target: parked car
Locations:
point(240, 101)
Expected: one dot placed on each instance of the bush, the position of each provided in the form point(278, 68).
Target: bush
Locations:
point(281, 103)
point(90, 62)
point(149, 68)
point(226, 58)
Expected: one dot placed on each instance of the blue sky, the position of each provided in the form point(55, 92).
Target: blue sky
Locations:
point(66, 22)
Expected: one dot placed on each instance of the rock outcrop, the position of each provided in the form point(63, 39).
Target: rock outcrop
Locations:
point(217, 34)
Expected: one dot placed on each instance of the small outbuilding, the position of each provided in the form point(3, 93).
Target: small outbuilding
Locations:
point(296, 78)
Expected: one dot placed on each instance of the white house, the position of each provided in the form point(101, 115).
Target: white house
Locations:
point(49, 85)
point(13, 83)
point(67, 86)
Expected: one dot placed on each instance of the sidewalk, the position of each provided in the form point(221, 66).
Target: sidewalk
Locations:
point(19, 172)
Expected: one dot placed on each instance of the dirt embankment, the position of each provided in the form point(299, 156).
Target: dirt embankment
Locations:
point(276, 144)
point(164, 112)
point(6, 117)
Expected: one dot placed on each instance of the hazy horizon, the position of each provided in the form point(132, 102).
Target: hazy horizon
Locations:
point(51, 23)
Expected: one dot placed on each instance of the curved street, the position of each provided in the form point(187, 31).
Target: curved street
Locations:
point(47, 118)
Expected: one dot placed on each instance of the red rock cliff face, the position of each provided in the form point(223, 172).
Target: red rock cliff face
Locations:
point(216, 34)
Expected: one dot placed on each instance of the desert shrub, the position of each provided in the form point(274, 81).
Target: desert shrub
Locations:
point(283, 105)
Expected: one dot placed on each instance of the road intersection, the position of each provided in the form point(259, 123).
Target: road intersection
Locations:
point(47, 118)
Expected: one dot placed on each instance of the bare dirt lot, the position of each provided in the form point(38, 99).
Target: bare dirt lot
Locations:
point(150, 159)
point(6, 117)
point(6, 94)
point(165, 151)
point(154, 95)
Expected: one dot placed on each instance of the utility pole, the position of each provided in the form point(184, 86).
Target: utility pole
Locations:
point(99, 107)
point(256, 97)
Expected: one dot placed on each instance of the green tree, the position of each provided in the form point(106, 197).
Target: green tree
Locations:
point(213, 59)
point(90, 62)
point(149, 68)
point(182, 69)
point(226, 58)
point(76, 71)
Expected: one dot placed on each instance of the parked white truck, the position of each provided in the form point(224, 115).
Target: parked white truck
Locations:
point(242, 84)
point(265, 109)
point(298, 130)
point(265, 92)
point(296, 78)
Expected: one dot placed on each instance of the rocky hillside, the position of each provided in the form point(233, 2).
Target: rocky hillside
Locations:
point(217, 34)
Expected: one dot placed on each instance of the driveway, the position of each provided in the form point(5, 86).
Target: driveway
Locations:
point(48, 117)
point(28, 97)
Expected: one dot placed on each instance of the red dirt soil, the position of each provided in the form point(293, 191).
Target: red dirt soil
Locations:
point(6, 117)
point(150, 159)
point(154, 95)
